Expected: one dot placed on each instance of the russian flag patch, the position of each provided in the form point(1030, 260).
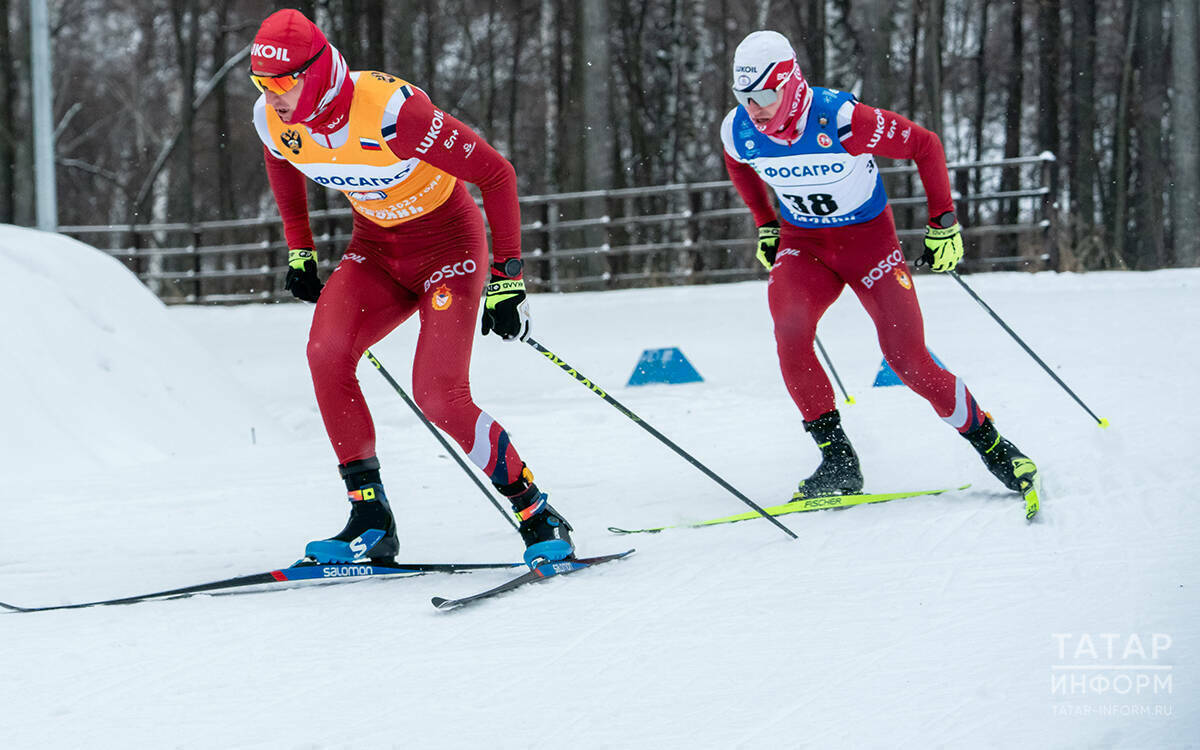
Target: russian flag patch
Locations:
point(369, 145)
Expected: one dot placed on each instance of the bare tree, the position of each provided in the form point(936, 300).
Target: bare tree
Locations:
point(1081, 152)
point(185, 25)
point(376, 52)
point(981, 91)
point(932, 64)
point(1014, 113)
point(810, 18)
point(551, 61)
point(1118, 207)
point(873, 28)
point(431, 47)
point(520, 20)
point(224, 155)
point(8, 130)
point(1185, 133)
point(1152, 89)
point(596, 111)
point(1049, 38)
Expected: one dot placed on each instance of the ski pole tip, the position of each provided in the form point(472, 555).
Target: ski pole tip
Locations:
point(1103, 423)
point(849, 399)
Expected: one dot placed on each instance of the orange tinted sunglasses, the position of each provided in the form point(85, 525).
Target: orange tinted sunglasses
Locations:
point(285, 82)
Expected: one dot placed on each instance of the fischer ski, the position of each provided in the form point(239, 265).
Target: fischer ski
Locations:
point(537, 573)
point(801, 505)
point(304, 571)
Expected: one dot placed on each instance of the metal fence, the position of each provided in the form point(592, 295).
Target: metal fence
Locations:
point(685, 233)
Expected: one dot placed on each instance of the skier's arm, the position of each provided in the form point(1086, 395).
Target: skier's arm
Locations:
point(752, 189)
point(287, 184)
point(866, 129)
point(459, 151)
point(754, 193)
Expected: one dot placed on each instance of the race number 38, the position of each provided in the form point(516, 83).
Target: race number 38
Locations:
point(818, 204)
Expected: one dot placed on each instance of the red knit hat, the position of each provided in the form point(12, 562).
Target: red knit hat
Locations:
point(284, 42)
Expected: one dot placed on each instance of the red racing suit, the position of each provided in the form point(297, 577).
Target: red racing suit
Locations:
point(418, 246)
point(838, 231)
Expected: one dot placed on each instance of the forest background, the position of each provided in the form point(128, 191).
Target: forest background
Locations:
point(153, 107)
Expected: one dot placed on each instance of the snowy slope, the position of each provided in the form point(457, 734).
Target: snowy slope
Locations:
point(96, 372)
point(932, 622)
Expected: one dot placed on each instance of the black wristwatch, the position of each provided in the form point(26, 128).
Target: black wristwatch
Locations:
point(944, 221)
point(512, 267)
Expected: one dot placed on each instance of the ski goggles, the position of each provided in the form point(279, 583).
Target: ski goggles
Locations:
point(762, 97)
point(285, 82)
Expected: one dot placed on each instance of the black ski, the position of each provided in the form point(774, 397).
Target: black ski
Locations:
point(538, 573)
point(301, 573)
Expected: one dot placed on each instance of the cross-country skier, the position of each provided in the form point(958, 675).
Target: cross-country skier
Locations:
point(815, 147)
point(418, 246)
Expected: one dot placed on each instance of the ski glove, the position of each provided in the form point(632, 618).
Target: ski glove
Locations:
point(505, 310)
point(302, 280)
point(768, 244)
point(943, 244)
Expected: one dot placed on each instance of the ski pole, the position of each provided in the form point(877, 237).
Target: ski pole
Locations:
point(441, 439)
point(1100, 421)
point(661, 437)
point(829, 363)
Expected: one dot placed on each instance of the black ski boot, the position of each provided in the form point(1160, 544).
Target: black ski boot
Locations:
point(1008, 464)
point(371, 531)
point(839, 472)
point(546, 534)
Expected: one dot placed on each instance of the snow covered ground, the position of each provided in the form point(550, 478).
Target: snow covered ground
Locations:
point(129, 466)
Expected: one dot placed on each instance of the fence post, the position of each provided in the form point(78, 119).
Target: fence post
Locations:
point(552, 243)
point(135, 248)
point(702, 258)
point(1050, 208)
point(197, 264)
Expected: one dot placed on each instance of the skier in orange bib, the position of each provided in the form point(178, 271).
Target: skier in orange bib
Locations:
point(418, 246)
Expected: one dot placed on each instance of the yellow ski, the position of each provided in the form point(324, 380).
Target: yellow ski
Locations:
point(801, 505)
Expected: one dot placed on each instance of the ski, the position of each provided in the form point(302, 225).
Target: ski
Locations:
point(538, 573)
point(801, 505)
point(302, 572)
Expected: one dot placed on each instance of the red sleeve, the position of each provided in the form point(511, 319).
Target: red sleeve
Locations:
point(752, 189)
point(878, 131)
point(459, 151)
point(287, 183)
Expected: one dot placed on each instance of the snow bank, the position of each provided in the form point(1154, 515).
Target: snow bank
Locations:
point(95, 372)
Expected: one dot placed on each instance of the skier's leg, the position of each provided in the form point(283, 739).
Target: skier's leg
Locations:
point(801, 289)
point(359, 305)
point(883, 283)
point(449, 310)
